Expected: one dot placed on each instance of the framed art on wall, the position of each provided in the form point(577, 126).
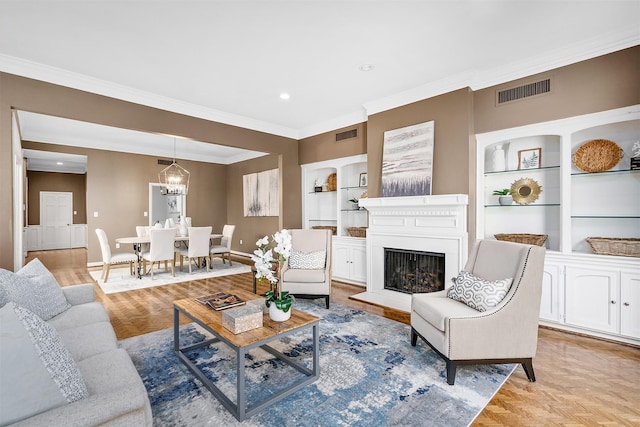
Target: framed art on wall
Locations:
point(363, 179)
point(260, 193)
point(530, 158)
point(407, 161)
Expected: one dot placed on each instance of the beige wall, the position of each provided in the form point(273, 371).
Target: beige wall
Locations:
point(249, 229)
point(35, 96)
point(324, 146)
point(64, 182)
point(599, 84)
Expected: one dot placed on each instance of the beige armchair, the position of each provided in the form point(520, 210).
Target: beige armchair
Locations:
point(505, 333)
point(307, 272)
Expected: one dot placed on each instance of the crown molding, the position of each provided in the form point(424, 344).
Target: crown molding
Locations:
point(37, 71)
point(352, 118)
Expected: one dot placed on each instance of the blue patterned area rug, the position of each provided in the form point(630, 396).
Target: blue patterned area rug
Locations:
point(369, 376)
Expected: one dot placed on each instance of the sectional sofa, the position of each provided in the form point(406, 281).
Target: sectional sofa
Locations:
point(59, 358)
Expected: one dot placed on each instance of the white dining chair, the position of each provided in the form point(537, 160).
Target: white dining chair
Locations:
point(199, 239)
point(161, 248)
point(109, 259)
point(225, 243)
point(141, 231)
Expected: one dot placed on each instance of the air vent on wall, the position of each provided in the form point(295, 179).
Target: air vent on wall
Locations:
point(524, 91)
point(164, 162)
point(346, 134)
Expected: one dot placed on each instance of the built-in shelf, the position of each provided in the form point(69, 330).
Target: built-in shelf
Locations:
point(521, 170)
point(530, 205)
point(625, 171)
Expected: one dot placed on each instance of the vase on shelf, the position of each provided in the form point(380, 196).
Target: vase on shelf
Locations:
point(505, 200)
point(498, 160)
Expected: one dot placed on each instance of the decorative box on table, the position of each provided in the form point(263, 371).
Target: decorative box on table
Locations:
point(260, 303)
point(241, 319)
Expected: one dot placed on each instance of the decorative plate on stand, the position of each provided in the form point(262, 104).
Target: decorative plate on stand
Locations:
point(598, 155)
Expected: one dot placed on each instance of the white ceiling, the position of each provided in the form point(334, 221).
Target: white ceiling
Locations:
point(229, 60)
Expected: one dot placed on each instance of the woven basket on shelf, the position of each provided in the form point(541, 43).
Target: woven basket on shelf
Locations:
point(332, 182)
point(333, 228)
point(528, 239)
point(357, 231)
point(598, 155)
point(615, 246)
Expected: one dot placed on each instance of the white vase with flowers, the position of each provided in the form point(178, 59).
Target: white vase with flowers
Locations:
point(269, 259)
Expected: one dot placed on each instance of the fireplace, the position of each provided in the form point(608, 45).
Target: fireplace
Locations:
point(413, 271)
point(428, 224)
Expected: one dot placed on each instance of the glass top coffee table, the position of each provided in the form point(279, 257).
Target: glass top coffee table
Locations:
point(241, 343)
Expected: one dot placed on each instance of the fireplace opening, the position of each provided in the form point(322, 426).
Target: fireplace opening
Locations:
point(413, 271)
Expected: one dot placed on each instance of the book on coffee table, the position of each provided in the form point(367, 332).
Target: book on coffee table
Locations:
point(220, 300)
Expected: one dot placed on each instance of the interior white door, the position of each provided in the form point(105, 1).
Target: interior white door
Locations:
point(56, 217)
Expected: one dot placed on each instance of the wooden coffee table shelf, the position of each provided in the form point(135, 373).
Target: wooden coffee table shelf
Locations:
point(241, 343)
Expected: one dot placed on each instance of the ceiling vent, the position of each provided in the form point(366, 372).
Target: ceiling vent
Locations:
point(164, 162)
point(524, 91)
point(346, 134)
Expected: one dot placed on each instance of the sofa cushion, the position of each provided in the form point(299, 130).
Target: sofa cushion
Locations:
point(34, 288)
point(77, 315)
point(37, 372)
point(88, 340)
point(477, 292)
point(436, 310)
point(307, 260)
point(304, 276)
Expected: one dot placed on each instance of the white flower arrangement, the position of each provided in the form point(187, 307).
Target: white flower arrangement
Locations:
point(269, 259)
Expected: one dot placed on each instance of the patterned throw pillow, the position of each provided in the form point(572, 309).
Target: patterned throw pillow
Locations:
point(307, 261)
point(34, 288)
point(37, 372)
point(477, 292)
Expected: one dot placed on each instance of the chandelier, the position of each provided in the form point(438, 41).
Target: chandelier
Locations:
point(174, 178)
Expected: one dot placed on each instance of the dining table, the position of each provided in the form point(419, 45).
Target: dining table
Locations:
point(138, 241)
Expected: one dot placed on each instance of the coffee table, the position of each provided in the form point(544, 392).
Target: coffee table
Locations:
point(241, 343)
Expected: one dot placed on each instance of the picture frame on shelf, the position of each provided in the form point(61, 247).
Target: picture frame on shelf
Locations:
point(362, 182)
point(530, 158)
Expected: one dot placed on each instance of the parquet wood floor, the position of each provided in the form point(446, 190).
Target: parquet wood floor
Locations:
point(581, 381)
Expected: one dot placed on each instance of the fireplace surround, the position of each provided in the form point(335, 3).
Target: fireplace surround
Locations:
point(434, 224)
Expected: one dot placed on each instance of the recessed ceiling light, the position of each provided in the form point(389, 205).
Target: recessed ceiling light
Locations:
point(366, 67)
point(285, 96)
point(59, 163)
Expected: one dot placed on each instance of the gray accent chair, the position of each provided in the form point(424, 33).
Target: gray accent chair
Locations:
point(303, 283)
point(506, 333)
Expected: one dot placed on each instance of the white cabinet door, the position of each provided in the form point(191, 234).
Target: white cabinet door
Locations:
point(359, 263)
point(79, 236)
point(630, 305)
point(340, 261)
point(552, 286)
point(592, 299)
point(350, 260)
point(34, 238)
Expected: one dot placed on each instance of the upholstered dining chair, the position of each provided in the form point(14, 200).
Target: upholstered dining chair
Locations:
point(199, 239)
point(469, 323)
point(225, 243)
point(141, 231)
point(161, 248)
point(109, 259)
point(307, 272)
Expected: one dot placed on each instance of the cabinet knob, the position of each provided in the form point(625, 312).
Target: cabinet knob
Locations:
point(613, 302)
point(626, 304)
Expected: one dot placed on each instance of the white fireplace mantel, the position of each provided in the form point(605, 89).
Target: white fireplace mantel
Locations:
point(420, 223)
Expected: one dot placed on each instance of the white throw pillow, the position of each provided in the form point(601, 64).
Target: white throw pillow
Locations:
point(35, 288)
point(37, 372)
point(479, 293)
point(307, 261)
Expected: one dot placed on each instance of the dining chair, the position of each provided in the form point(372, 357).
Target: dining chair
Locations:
point(141, 231)
point(161, 248)
point(109, 259)
point(199, 239)
point(225, 243)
